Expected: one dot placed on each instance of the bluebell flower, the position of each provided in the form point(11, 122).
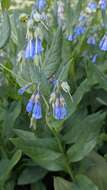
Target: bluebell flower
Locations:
point(94, 58)
point(79, 30)
point(103, 4)
point(29, 106)
point(22, 90)
point(59, 109)
point(40, 4)
point(82, 18)
point(38, 46)
point(92, 6)
point(103, 43)
point(30, 50)
point(37, 110)
point(71, 37)
point(91, 40)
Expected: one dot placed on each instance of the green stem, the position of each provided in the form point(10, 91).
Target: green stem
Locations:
point(68, 168)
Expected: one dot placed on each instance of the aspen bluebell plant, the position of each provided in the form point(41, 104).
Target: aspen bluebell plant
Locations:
point(53, 119)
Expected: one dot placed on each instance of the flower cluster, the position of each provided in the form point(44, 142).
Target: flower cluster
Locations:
point(81, 28)
point(57, 101)
point(34, 48)
point(34, 106)
point(34, 34)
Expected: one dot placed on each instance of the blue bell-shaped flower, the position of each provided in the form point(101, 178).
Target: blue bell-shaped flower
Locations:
point(40, 5)
point(103, 4)
point(59, 109)
point(91, 40)
point(37, 109)
point(71, 37)
point(103, 43)
point(30, 104)
point(92, 6)
point(38, 46)
point(30, 50)
point(79, 30)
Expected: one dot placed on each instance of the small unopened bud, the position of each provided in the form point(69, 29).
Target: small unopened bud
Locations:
point(65, 86)
point(52, 97)
point(23, 17)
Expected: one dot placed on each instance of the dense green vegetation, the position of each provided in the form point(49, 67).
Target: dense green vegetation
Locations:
point(53, 95)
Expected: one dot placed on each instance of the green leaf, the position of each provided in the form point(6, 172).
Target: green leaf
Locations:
point(81, 183)
point(29, 73)
point(5, 4)
point(95, 76)
point(6, 166)
point(79, 150)
point(5, 30)
point(95, 167)
point(84, 134)
point(48, 142)
point(10, 114)
point(53, 55)
point(38, 186)
point(44, 157)
point(62, 184)
point(31, 175)
point(85, 128)
point(83, 88)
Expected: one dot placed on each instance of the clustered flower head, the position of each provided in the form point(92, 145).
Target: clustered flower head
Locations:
point(57, 101)
point(34, 34)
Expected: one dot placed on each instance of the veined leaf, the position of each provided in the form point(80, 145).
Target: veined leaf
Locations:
point(86, 128)
point(5, 30)
point(44, 157)
point(81, 149)
point(8, 165)
point(31, 175)
point(81, 183)
point(53, 55)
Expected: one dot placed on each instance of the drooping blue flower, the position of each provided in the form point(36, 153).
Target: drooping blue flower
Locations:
point(82, 18)
point(29, 106)
point(91, 40)
point(103, 4)
point(71, 37)
point(40, 4)
point(103, 43)
point(94, 58)
point(30, 50)
point(37, 110)
point(59, 109)
point(79, 30)
point(38, 46)
point(22, 90)
point(92, 6)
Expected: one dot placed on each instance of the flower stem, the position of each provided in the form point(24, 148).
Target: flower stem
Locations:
point(68, 168)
